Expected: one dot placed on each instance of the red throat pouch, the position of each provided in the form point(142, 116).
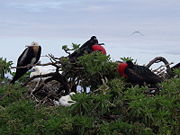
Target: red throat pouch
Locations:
point(121, 69)
point(99, 48)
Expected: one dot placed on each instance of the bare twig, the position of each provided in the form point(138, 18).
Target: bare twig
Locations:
point(31, 65)
point(160, 59)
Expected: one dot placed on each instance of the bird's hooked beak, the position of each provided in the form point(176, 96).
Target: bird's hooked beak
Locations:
point(27, 45)
point(101, 44)
point(32, 70)
point(33, 44)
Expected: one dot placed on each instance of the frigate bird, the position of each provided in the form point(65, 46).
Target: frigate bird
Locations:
point(88, 47)
point(136, 74)
point(136, 33)
point(30, 56)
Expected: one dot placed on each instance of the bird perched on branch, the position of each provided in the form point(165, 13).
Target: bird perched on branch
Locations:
point(88, 47)
point(30, 56)
point(136, 74)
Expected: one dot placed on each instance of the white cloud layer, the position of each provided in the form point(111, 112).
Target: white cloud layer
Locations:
point(112, 21)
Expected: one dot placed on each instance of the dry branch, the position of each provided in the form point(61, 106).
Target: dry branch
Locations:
point(160, 70)
point(157, 60)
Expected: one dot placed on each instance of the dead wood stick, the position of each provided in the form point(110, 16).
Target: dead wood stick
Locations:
point(157, 60)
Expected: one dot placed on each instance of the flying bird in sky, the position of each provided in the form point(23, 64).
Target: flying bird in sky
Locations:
point(30, 56)
point(136, 33)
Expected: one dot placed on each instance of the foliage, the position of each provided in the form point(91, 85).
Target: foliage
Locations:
point(126, 59)
point(4, 67)
point(23, 78)
point(10, 94)
point(90, 69)
point(96, 67)
point(75, 47)
point(117, 110)
point(177, 72)
point(109, 109)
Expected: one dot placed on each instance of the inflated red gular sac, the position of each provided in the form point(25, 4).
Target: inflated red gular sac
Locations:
point(99, 47)
point(121, 69)
point(136, 74)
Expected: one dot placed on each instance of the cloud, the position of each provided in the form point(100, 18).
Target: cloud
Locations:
point(111, 19)
point(37, 6)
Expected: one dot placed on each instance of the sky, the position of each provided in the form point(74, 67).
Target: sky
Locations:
point(53, 23)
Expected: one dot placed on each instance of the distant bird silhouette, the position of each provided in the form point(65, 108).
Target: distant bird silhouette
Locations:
point(30, 56)
point(136, 33)
point(88, 47)
point(136, 74)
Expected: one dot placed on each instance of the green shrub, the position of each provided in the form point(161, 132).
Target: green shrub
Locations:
point(5, 67)
point(110, 109)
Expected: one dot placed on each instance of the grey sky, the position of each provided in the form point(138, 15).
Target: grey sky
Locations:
point(57, 22)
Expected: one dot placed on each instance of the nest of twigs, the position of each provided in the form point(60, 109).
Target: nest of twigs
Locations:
point(46, 91)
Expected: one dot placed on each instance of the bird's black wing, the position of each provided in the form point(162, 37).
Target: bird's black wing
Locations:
point(85, 48)
point(134, 76)
point(149, 76)
point(26, 57)
point(141, 74)
point(89, 43)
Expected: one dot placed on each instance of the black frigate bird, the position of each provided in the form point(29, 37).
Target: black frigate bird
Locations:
point(92, 45)
point(136, 74)
point(30, 56)
point(87, 47)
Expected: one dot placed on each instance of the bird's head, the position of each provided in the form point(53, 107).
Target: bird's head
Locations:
point(101, 44)
point(93, 40)
point(33, 44)
point(35, 69)
point(130, 63)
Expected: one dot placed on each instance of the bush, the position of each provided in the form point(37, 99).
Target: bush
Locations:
point(5, 67)
point(110, 109)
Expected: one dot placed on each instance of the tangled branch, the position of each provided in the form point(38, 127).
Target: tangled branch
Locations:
point(161, 71)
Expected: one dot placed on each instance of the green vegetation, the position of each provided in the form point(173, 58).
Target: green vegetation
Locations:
point(4, 68)
point(112, 109)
